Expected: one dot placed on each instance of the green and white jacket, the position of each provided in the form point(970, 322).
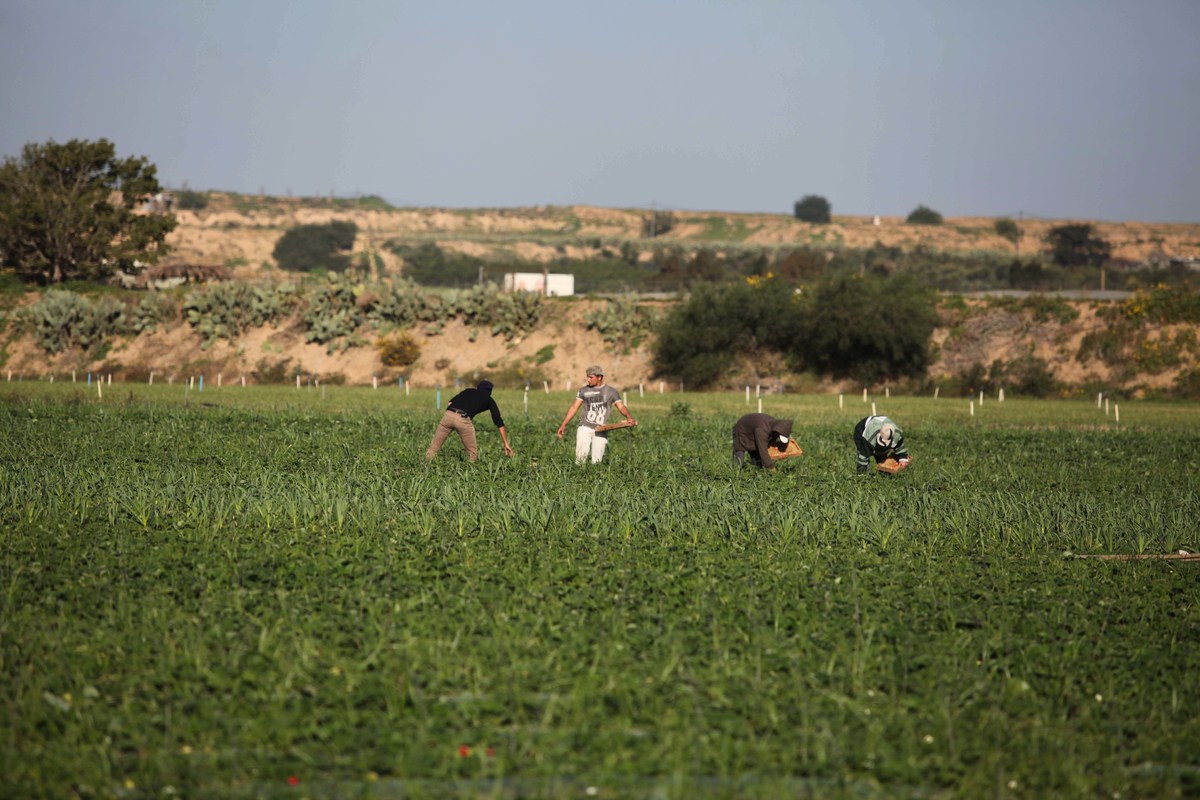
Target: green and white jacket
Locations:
point(865, 435)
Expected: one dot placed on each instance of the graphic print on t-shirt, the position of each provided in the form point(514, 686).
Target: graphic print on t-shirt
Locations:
point(599, 402)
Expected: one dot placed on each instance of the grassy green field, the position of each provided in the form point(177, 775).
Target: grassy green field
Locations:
point(266, 592)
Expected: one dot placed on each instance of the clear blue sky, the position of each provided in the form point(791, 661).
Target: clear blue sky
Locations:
point(1086, 109)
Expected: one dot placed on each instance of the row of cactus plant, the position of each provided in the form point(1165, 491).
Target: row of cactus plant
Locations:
point(226, 310)
point(332, 313)
point(341, 306)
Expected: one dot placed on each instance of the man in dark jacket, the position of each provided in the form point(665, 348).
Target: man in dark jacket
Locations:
point(463, 408)
point(754, 433)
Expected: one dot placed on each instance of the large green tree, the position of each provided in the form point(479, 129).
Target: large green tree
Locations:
point(869, 327)
point(702, 337)
point(69, 211)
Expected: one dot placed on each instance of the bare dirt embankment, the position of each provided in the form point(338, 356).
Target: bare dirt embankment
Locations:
point(563, 346)
point(240, 234)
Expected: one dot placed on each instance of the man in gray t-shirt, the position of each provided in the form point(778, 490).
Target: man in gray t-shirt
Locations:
point(599, 400)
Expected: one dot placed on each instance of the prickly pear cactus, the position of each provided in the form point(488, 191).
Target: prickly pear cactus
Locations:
point(621, 321)
point(63, 319)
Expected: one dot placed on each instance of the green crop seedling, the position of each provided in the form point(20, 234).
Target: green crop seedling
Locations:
point(271, 594)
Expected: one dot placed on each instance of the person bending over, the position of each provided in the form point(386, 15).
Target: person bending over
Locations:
point(881, 439)
point(463, 408)
point(755, 434)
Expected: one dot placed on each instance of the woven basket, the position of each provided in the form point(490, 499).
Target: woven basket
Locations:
point(791, 451)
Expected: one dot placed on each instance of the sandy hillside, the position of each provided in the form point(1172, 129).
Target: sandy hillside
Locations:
point(241, 236)
point(558, 353)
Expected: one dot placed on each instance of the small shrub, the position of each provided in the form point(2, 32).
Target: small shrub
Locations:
point(1077, 245)
point(1007, 229)
point(922, 215)
point(803, 265)
point(189, 200)
point(398, 351)
point(1027, 275)
point(10, 284)
point(1028, 375)
point(967, 382)
point(518, 376)
point(306, 248)
point(657, 223)
point(280, 371)
point(812, 208)
point(630, 253)
point(134, 373)
point(1109, 344)
point(1162, 305)
point(430, 265)
point(1187, 384)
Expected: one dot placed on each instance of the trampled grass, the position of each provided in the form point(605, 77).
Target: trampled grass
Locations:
point(267, 593)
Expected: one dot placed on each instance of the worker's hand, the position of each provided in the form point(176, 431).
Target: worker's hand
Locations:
point(632, 421)
point(508, 451)
point(904, 462)
point(561, 430)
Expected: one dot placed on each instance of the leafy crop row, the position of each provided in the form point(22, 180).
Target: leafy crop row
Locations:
point(199, 617)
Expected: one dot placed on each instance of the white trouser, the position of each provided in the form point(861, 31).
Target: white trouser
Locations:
point(587, 440)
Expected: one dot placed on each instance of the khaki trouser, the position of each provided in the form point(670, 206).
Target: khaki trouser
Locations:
point(466, 431)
